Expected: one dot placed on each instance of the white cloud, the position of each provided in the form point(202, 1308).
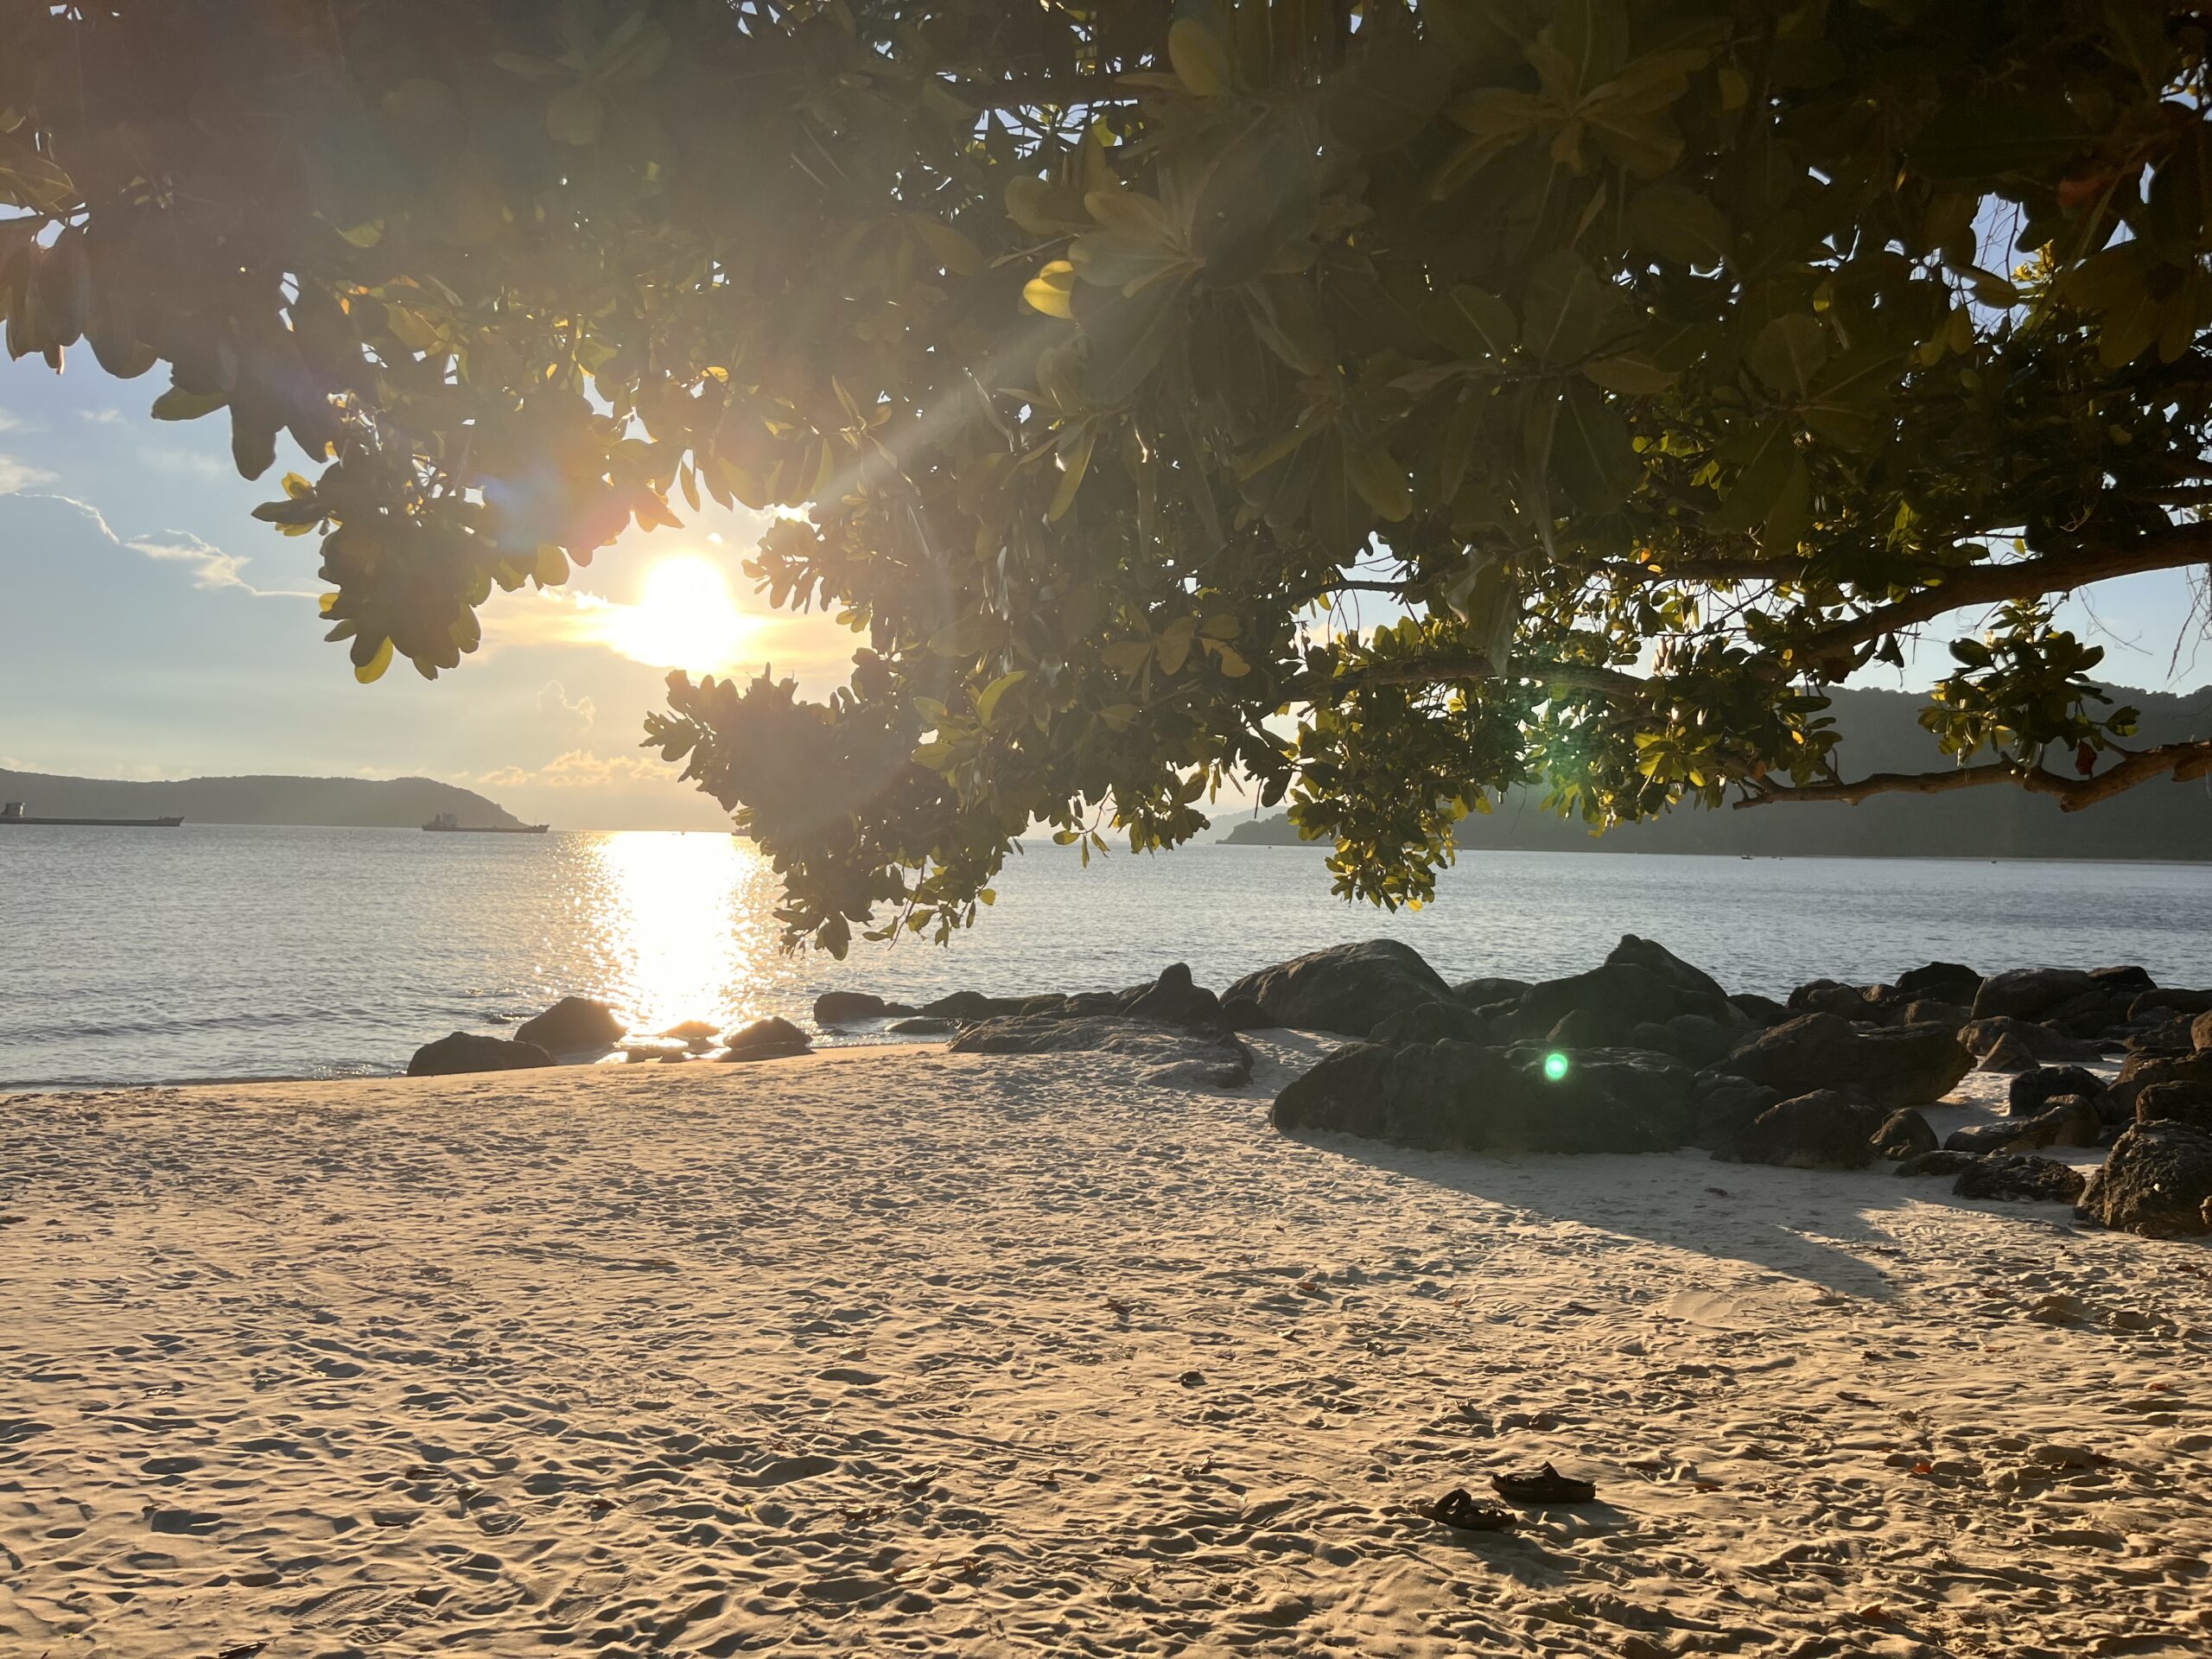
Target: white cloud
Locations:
point(102, 416)
point(16, 476)
point(571, 720)
point(17, 423)
point(581, 769)
point(211, 566)
point(198, 464)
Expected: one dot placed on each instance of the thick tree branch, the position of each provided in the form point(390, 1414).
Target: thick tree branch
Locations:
point(1991, 584)
point(2184, 761)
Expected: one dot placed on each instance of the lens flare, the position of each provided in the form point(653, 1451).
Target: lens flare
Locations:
point(685, 618)
point(1554, 1066)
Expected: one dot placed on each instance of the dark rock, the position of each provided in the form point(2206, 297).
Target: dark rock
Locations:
point(1944, 982)
point(1588, 1029)
point(1432, 1022)
point(2124, 982)
point(2027, 993)
point(2068, 1121)
point(923, 1025)
point(1722, 1108)
point(2140, 1071)
point(1697, 1039)
point(572, 1026)
point(1242, 1013)
point(2176, 1102)
point(2031, 1091)
point(2168, 1000)
point(1904, 1065)
point(1052, 1004)
point(2049, 1047)
point(2087, 1014)
point(2024, 1179)
point(1832, 996)
point(1952, 1016)
point(1613, 999)
point(2200, 1031)
point(2176, 1035)
point(849, 1007)
point(766, 1039)
point(1657, 959)
point(1824, 1129)
point(1144, 1039)
point(694, 1033)
point(1174, 999)
point(969, 1007)
point(1904, 1133)
point(465, 1052)
point(1938, 1163)
point(1349, 988)
point(2157, 1182)
point(1759, 1010)
point(1457, 1096)
point(1486, 993)
point(2007, 1053)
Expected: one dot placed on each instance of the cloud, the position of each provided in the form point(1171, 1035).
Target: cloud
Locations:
point(582, 769)
point(17, 423)
point(571, 720)
point(169, 458)
point(102, 416)
point(16, 476)
point(211, 566)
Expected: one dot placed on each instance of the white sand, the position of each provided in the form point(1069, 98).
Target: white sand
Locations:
point(911, 1353)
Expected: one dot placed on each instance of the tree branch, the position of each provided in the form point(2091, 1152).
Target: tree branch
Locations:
point(1438, 671)
point(1989, 584)
point(1746, 569)
point(2185, 761)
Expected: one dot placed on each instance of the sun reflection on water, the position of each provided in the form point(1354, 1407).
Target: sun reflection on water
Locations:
point(682, 927)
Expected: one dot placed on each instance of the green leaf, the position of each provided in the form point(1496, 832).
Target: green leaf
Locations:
point(988, 702)
point(1200, 60)
point(178, 404)
point(1790, 352)
point(575, 115)
point(1983, 140)
point(1382, 482)
point(1679, 225)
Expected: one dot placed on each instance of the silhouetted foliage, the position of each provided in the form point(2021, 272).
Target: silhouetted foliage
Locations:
point(1666, 363)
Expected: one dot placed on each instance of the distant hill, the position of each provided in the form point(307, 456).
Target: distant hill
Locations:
point(1881, 732)
point(365, 803)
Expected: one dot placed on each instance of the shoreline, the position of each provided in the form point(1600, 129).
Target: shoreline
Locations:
point(959, 1353)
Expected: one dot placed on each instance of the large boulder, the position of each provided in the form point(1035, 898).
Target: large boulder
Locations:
point(2139, 1071)
point(2200, 1031)
point(1904, 1133)
point(1761, 1010)
point(2039, 1043)
point(2068, 1121)
point(1489, 993)
point(2167, 999)
point(574, 1024)
point(1824, 1129)
point(969, 1007)
point(2157, 1182)
point(1159, 1046)
point(766, 1039)
point(2029, 993)
point(1431, 1022)
point(2176, 1102)
point(2032, 1090)
point(1174, 999)
point(1460, 1097)
point(849, 1007)
point(1901, 1065)
point(2020, 1179)
point(1945, 982)
point(467, 1052)
point(1609, 1001)
point(1348, 988)
point(1694, 983)
point(1722, 1108)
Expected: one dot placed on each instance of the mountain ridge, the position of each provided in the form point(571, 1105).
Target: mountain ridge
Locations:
point(1881, 733)
point(275, 799)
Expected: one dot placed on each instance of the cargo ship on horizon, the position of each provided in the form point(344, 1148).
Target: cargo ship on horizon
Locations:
point(12, 812)
point(450, 823)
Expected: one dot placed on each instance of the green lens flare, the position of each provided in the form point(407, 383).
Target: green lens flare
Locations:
point(1554, 1066)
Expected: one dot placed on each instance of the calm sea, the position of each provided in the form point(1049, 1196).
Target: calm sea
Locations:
point(225, 951)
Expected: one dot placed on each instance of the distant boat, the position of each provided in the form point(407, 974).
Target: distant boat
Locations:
point(12, 812)
point(450, 823)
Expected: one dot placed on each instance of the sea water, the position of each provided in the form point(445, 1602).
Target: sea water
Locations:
point(230, 951)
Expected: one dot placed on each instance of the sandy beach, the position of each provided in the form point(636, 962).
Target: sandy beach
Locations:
point(906, 1352)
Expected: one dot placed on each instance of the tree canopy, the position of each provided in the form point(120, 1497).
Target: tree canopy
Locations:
point(1645, 368)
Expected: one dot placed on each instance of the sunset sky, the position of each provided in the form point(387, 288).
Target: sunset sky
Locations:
point(151, 629)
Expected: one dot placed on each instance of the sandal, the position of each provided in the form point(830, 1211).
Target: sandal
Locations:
point(1547, 1485)
point(1458, 1507)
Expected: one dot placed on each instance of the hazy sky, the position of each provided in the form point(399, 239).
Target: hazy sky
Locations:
point(150, 628)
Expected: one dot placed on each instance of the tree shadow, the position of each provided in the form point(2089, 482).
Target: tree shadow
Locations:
point(1811, 1226)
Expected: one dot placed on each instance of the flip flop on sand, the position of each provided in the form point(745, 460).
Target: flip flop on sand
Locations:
point(1458, 1507)
point(1547, 1485)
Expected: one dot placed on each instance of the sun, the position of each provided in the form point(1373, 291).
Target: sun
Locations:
point(685, 618)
